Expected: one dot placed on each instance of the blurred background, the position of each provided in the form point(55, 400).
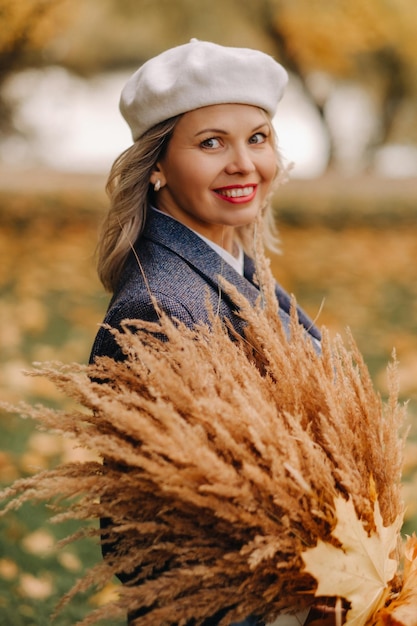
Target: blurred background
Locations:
point(347, 218)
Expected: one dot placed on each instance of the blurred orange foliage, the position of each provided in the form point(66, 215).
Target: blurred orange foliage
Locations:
point(28, 25)
point(328, 35)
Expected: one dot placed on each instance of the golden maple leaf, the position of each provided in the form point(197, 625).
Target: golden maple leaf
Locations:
point(402, 611)
point(361, 568)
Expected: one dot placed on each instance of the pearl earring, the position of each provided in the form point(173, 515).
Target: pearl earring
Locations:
point(157, 185)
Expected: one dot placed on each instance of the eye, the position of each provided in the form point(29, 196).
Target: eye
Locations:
point(258, 138)
point(210, 143)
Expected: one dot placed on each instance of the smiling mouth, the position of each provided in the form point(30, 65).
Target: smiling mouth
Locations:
point(236, 192)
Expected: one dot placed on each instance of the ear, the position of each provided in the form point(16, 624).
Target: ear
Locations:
point(157, 174)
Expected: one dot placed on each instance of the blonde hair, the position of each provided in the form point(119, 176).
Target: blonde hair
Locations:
point(128, 187)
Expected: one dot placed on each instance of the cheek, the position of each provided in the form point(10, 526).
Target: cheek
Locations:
point(189, 172)
point(270, 169)
point(268, 165)
point(199, 174)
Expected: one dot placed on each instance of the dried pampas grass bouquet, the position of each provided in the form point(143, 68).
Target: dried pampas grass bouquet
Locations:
point(241, 476)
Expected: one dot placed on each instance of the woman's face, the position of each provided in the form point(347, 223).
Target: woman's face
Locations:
point(217, 169)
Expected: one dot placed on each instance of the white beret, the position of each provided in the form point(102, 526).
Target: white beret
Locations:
point(199, 74)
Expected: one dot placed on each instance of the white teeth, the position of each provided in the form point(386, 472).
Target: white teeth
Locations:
point(236, 193)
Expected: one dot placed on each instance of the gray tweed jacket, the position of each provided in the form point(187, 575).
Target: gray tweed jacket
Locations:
point(180, 269)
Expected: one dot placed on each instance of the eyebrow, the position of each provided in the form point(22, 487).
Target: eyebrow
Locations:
point(219, 131)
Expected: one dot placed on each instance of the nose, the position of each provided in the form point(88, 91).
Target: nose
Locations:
point(240, 161)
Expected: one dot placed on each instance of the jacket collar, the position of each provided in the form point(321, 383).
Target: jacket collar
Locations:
point(168, 232)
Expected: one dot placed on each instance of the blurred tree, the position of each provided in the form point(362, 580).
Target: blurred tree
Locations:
point(127, 32)
point(26, 27)
point(372, 43)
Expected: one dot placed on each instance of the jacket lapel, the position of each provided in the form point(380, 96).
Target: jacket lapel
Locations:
point(168, 232)
point(171, 234)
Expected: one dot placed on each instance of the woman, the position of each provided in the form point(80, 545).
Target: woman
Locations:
point(186, 196)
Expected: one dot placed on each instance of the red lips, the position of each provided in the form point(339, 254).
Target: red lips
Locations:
point(237, 194)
